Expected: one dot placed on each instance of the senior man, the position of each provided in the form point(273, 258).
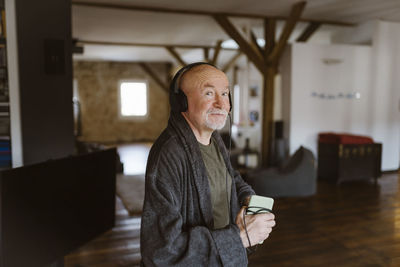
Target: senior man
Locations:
point(191, 213)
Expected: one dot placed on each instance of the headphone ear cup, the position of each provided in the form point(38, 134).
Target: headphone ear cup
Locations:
point(178, 101)
point(177, 98)
point(174, 101)
point(182, 100)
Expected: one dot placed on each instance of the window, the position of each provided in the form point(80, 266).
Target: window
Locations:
point(133, 99)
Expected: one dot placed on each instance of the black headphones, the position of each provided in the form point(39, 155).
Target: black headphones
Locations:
point(177, 97)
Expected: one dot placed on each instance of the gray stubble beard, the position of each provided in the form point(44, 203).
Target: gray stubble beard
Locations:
point(215, 126)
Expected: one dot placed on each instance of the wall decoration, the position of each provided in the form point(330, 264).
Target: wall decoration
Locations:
point(254, 116)
point(253, 91)
point(340, 95)
point(332, 61)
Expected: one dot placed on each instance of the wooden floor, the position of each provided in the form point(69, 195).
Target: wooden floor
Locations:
point(354, 224)
point(118, 247)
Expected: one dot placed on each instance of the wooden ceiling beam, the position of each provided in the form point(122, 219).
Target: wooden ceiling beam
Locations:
point(199, 12)
point(151, 45)
point(154, 76)
point(308, 32)
point(231, 62)
point(175, 55)
point(255, 45)
point(217, 49)
point(245, 47)
point(295, 14)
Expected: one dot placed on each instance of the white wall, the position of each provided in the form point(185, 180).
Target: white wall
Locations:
point(370, 71)
point(311, 114)
point(385, 94)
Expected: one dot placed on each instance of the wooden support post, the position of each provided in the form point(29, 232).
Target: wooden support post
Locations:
point(271, 58)
point(175, 55)
point(245, 47)
point(235, 75)
point(268, 89)
point(154, 76)
point(268, 113)
point(308, 32)
point(216, 52)
point(269, 36)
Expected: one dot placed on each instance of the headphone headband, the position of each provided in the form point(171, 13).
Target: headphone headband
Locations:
point(181, 71)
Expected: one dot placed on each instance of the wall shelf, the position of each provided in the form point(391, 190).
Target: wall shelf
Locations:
point(5, 137)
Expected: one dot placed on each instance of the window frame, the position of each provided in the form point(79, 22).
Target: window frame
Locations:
point(133, 117)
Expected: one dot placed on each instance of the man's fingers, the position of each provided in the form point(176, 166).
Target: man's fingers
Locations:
point(266, 216)
point(270, 216)
point(271, 223)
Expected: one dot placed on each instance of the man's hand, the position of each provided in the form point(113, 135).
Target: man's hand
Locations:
point(259, 226)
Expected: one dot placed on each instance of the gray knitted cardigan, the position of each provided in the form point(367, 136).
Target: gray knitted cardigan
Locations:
point(177, 221)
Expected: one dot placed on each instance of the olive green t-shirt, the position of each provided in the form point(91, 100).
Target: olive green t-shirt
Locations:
point(220, 183)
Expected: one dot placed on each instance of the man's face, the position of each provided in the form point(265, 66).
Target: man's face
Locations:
point(207, 91)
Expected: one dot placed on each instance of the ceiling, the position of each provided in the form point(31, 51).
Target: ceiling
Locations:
point(132, 26)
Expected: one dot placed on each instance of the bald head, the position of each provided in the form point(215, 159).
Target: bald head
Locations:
point(193, 78)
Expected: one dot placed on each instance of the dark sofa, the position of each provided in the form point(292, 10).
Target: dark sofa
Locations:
point(295, 178)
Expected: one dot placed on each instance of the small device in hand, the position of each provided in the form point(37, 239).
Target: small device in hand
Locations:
point(259, 204)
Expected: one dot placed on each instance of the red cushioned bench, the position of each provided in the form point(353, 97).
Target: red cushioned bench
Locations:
point(346, 157)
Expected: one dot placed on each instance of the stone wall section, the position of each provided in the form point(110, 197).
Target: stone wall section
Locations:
point(98, 82)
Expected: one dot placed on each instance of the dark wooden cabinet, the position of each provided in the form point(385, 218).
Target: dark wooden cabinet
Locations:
point(346, 162)
point(51, 208)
